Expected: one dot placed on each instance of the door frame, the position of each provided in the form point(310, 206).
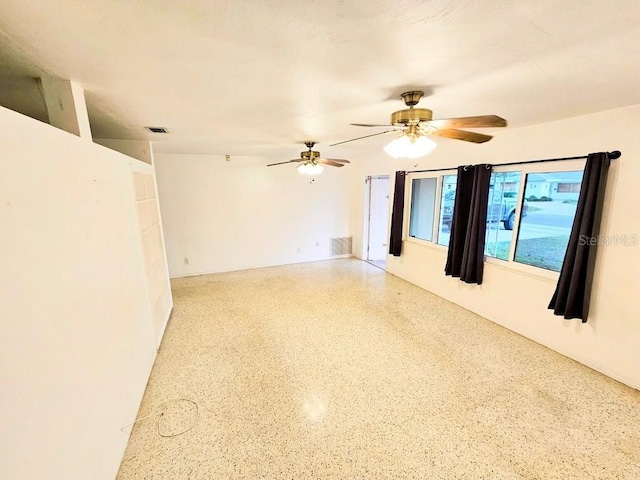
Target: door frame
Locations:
point(367, 213)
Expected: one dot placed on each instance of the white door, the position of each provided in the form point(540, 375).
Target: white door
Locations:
point(378, 218)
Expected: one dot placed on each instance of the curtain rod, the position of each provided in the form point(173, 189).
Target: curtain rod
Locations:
point(612, 156)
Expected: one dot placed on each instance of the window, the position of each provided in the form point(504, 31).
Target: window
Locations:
point(544, 233)
point(547, 206)
point(503, 194)
point(447, 200)
point(423, 198)
point(501, 213)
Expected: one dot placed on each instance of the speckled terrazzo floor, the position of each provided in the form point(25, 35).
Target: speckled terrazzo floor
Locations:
point(338, 370)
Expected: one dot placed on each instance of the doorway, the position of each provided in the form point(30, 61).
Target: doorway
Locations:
point(377, 220)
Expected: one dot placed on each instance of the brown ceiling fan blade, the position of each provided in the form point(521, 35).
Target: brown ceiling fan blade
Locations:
point(282, 163)
point(462, 135)
point(480, 121)
point(326, 161)
point(376, 125)
point(365, 136)
point(339, 160)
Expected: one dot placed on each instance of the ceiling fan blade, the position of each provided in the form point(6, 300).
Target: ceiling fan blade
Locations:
point(365, 136)
point(326, 161)
point(339, 160)
point(480, 121)
point(376, 125)
point(462, 135)
point(282, 163)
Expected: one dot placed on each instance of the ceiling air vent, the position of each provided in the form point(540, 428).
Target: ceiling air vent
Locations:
point(157, 129)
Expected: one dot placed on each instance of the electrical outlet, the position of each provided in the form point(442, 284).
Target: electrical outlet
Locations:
point(186, 261)
point(298, 250)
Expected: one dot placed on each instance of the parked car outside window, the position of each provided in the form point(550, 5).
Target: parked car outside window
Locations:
point(504, 211)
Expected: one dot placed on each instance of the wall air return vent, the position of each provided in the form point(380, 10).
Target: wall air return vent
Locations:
point(157, 129)
point(341, 247)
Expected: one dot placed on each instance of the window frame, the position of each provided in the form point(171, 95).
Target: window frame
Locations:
point(510, 264)
point(519, 202)
point(407, 228)
point(410, 177)
point(542, 167)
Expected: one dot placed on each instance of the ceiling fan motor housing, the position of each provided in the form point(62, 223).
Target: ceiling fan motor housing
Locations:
point(411, 116)
point(310, 155)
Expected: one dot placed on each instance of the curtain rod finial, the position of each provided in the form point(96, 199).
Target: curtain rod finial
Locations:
point(615, 154)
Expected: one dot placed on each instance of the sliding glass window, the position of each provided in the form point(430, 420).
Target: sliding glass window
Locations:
point(538, 217)
point(552, 198)
point(501, 213)
point(447, 199)
point(423, 199)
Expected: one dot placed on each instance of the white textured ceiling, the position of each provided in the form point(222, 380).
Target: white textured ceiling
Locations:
point(254, 77)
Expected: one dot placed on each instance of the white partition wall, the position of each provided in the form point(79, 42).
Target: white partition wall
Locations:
point(78, 339)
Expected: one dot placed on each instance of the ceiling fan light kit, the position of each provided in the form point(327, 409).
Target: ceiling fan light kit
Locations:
point(406, 146)
point(310, 168)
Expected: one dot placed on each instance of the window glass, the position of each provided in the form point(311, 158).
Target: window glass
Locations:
point(446, 208)
point(501, 213)
point(544, 232)
point(423, 197)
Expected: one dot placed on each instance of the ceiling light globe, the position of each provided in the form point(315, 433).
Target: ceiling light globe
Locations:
point(421, 147)
point(405, 147)
point(308, 168)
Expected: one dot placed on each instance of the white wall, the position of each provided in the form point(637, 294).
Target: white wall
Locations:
point(223, 216)
point(138, 149)
point(77, 341)
point(610, 341)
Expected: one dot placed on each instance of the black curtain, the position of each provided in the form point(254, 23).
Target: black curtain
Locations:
point(465, 257)
point(572, 295)
point(397, 214)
